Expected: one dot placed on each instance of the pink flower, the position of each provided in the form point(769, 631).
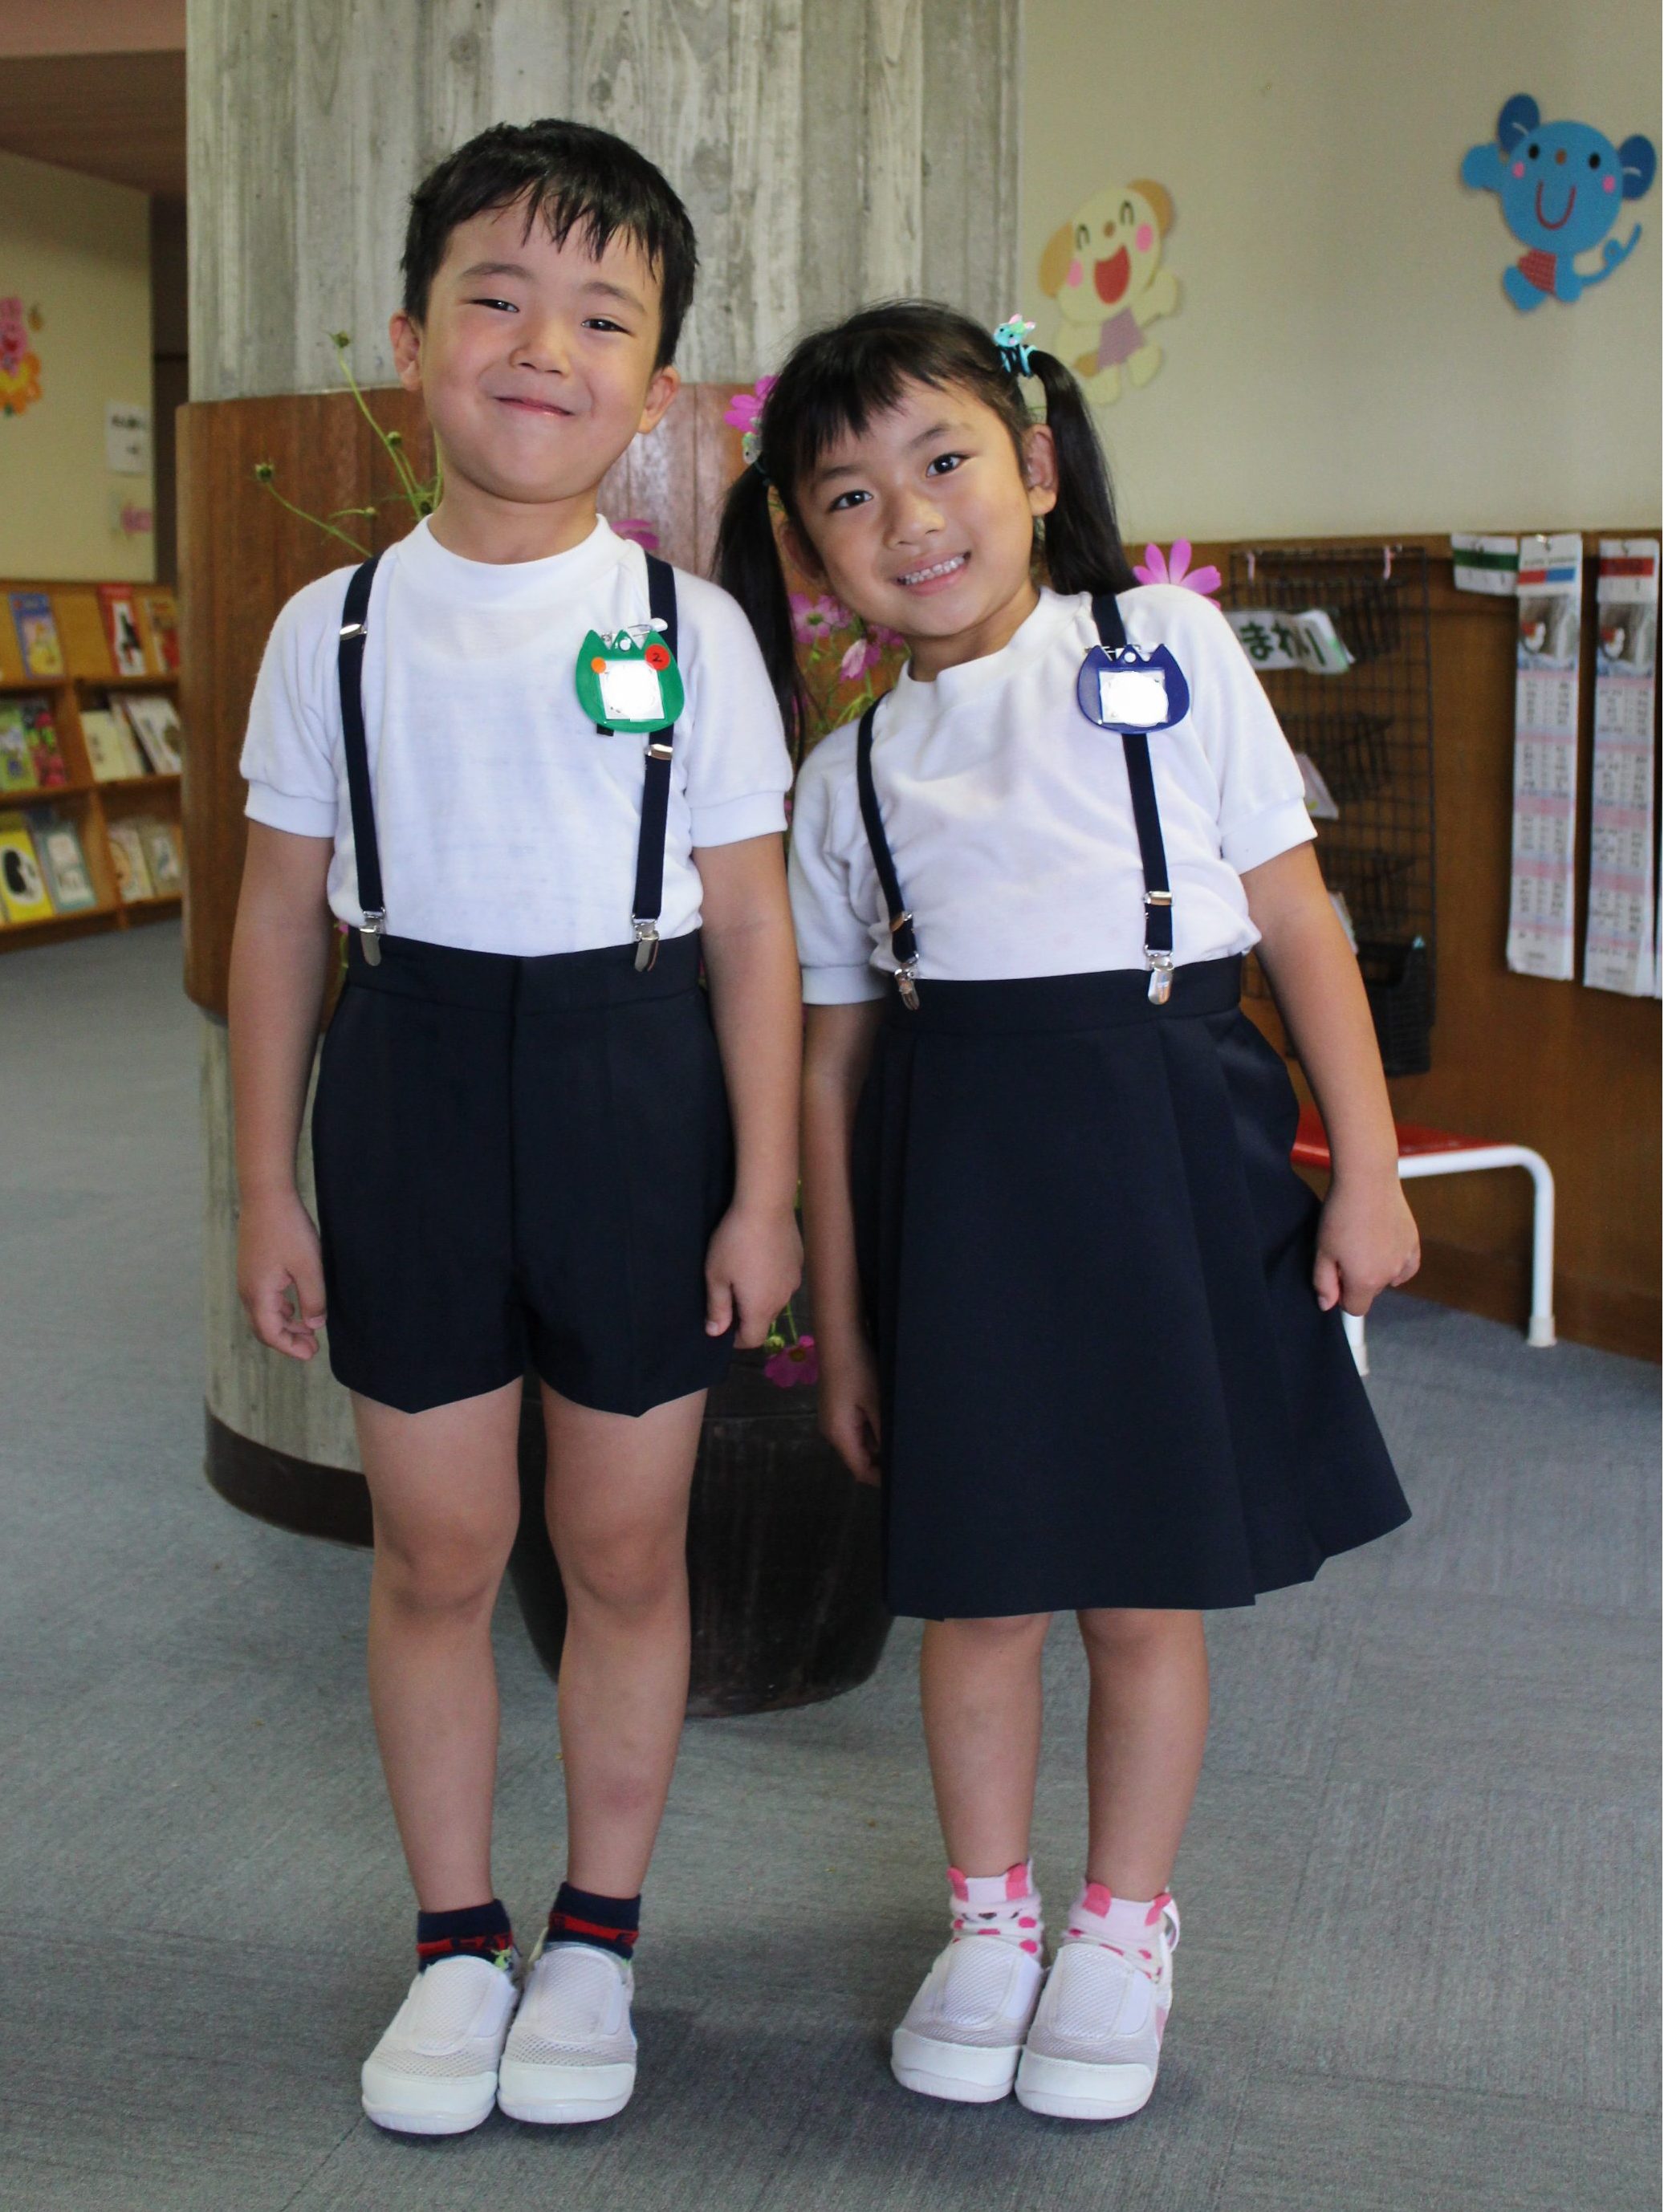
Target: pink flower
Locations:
point(887, 641)
point(744, 411)
point(813, 619)
point(794, 1363)
point(865, 653)
point(640, 532)
point(1156, 568)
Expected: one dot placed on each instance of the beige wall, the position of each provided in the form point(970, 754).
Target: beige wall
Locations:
point(1344, 357)
point(78, 249)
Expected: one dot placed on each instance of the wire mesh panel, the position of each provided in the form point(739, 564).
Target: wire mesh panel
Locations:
point(1361, 714)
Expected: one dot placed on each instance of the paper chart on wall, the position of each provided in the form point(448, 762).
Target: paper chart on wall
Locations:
point(1618, 951)
point(1540, 936)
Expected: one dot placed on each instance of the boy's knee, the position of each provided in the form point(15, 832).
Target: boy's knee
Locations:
point(449, 1574)
point(628, 1572)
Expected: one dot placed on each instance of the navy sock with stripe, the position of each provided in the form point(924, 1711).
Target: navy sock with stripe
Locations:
point(608, 1924)
point(477, 1931)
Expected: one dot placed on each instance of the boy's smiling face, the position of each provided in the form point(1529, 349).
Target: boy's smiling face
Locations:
point(536, 362)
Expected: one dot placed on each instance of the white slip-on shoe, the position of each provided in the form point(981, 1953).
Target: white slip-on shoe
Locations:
point(571, 2053)
point(962, 2035)
point(1095, 2042)
point(435, 2071)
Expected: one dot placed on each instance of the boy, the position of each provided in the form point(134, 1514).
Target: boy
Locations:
point(532, 1140)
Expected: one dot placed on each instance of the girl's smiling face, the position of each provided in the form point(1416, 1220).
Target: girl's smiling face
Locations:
point(924, 521)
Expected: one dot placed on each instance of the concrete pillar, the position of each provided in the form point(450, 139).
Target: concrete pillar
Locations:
point(830, 151)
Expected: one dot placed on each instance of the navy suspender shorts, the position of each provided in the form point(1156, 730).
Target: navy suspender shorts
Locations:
point(1086, 1261)
point(518, 1159)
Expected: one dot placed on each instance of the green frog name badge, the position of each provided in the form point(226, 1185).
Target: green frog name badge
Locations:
point(629, 680)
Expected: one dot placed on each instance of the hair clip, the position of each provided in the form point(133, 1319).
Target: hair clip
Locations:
point(1013, 339)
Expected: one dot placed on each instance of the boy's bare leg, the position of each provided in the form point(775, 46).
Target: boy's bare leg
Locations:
point(445, 1488)
point(618, 1519)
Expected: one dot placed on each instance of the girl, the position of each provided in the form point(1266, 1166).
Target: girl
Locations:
point(1070, 1295)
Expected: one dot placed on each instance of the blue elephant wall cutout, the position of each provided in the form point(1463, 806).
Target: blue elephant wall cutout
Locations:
point(1562, 186)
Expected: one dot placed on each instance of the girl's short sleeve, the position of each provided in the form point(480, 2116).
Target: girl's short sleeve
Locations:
point(287, 755)
point(834, 944)
point(1263, 804)
point(737, 770)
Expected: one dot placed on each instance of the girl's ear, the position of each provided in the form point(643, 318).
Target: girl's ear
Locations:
point(1040, 468)
point(800, 552)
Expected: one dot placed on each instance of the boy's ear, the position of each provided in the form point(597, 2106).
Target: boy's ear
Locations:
point(406, 335)
point(666, 383)
point(1040, 468)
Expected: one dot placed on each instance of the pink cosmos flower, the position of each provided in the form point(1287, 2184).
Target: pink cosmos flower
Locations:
point(744, 411)
point(865, 653)
point(813, 619)
point(1156, 568)
point(794, 1363)
point(640, 532)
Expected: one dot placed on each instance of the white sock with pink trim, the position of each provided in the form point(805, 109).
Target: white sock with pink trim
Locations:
point(1130, 1925)
point(1004, 1905)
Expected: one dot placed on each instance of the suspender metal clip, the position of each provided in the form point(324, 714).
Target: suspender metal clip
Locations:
point(370, 933)
point(647, 943)
point(658, 750)
point(352, 629)
point(1160, 965)
point(905, 985)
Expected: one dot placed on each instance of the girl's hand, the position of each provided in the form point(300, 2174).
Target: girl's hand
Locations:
point(280, 1272)
point(754, 1264)
point(1367, 1241)
point(848, 1399)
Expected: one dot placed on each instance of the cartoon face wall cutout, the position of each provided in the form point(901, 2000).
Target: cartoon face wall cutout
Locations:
point(1105, 269)
point(1562, 186)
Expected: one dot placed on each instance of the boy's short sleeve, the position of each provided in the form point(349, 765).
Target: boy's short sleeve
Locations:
point(834, 946)
point(739, 770)
point(288, 756)
point(1262, 806)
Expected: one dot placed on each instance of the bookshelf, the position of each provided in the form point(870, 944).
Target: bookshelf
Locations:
point(77, 714)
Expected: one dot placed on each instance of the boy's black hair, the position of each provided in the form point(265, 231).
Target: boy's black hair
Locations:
point(834, 381)
point(576, 178)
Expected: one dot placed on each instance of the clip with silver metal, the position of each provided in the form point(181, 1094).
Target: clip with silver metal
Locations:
point(352, 629)
point(370, 932)
point(1160, 965)
point(658, 751)
point(647, 943)
point(906, 986)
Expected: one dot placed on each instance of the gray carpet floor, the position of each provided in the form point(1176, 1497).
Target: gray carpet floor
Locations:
point(1419, 1890)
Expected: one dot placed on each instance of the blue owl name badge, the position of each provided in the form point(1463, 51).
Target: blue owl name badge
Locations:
point(1131, 692)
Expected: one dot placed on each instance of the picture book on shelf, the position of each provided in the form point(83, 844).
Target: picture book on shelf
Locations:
point(22, 893)
point(41, 728)
point(163, 856)
point(110, 745)
point(156, 724)
point(17, 769)
point(121, 627)
point(127, 858)
point(62, 864)
point(37, 633)
point(158, 620)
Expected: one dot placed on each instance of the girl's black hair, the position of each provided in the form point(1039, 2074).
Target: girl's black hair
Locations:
point(576, 178)
point(833, 384)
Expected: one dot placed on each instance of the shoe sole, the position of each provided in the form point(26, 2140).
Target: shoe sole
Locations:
point(564, 2096)
point(1074, 2089)
point(963, 2073)
point(451, 2115)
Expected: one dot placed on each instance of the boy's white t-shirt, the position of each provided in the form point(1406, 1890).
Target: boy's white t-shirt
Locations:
point(1011, 818)
point(506, 822)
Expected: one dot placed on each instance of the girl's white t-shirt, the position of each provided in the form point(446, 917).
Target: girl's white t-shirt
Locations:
point(1011, 819)
point(506, 822)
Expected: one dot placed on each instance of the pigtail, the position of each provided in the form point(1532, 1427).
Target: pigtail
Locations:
point(748, 566)
point(1084, 551)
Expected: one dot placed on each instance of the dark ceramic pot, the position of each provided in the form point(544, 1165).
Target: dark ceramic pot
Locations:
point(783, 1561)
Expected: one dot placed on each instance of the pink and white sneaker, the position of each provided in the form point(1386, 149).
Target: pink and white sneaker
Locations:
point(962, 2035)
point(1096, 2040)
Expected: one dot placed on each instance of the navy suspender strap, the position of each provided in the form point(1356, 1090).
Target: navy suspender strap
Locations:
point(1158, 891)
point(350, 666)
point(656, 787)
point(645, 905)
point(901, 922)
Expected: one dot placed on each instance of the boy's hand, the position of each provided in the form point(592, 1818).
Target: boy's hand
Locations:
point(279, 1273)
point(1366, 1241)
point(754, 1264)
point(849, 1401)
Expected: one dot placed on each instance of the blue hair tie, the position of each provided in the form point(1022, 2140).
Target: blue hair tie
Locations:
point(1013, 339)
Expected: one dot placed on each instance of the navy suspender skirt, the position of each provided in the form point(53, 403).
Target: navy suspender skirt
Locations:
point(1087, 1260)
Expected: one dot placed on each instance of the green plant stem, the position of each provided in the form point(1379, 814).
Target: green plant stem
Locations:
point(316, 520)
